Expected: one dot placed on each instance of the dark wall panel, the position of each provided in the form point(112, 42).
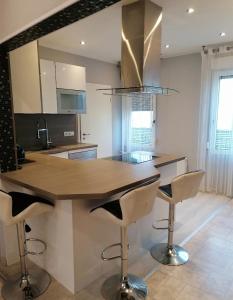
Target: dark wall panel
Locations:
point(7, 143)
point(26, 129)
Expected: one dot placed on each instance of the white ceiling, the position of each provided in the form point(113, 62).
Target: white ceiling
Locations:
point(185, 33)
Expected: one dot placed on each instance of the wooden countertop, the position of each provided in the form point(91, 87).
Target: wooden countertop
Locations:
point(60, 179)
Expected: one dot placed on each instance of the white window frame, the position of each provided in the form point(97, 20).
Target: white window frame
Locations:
point(215, 90)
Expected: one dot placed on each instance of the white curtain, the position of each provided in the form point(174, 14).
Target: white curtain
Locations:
point(215, 142)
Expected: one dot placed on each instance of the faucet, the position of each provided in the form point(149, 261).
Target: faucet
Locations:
point(43, 132)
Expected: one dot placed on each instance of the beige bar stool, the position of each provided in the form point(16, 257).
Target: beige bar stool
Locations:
point(15, 208)
point(181, 188)
point(132, 206)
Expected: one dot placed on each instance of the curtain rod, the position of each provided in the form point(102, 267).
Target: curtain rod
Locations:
point(216, 50)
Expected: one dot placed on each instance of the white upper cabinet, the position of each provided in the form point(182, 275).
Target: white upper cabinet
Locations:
point(70, 77)
point(25, 79)
point(35, 81)
point(48, 86)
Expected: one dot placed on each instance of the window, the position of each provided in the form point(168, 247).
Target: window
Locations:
point(142, 130)
point(142, 120)
point(138, 123)
point(224, 130)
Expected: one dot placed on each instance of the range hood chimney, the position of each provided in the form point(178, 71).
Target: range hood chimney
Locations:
point(140, 49)
point(141, 42)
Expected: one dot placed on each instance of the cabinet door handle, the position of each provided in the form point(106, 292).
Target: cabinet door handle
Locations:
point(84, 134)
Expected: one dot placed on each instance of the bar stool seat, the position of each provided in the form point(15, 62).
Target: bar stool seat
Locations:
point(181, 188)
point(15, 208)
point(132, 206)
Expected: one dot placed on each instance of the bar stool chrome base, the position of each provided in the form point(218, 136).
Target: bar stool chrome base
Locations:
point(27, 288)
point(116, 289)
point(173, 256)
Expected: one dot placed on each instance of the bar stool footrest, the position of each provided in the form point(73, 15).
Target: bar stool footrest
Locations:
point(33, 240)
point(160, 228)
point(105, 258)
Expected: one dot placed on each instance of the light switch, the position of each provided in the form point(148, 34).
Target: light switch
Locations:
point(68, 133)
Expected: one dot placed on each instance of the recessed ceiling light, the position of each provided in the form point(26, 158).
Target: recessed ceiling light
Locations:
point(82, 43)
point(190, 10)
point(167, 46)
point(222, 34)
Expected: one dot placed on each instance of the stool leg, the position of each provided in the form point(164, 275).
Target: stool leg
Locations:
point(125, 286)
point(31, 284)
point(22, 254)
point(171, 221)
point(124, 253)
point(170, 254)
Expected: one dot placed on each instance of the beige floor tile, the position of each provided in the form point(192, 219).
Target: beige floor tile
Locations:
point(56, 292)
point(167, 269)
point(163, 293)
point(196, 279)
point(217, 284)
point(84, 295)
point(192, 247)
point(228, 293)
point(191, 293)
point(156, 279)
point(220, 220)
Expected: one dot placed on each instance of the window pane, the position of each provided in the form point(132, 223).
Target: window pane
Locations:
point(142, 130)
point(141, 119)
point(224, 136)
point(225, 109)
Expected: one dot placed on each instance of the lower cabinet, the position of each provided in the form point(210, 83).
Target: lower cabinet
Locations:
point(84, 154)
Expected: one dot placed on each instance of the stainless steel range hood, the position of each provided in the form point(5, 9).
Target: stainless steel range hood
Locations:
point(140, 50)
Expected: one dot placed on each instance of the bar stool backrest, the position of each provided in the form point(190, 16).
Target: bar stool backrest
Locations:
point(6, 214)
point(138, 203)
point(186, 186)
point(5, 207)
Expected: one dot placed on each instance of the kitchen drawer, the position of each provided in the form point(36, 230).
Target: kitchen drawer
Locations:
point(84, 155)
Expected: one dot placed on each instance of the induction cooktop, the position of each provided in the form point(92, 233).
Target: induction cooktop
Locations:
point(135, 157)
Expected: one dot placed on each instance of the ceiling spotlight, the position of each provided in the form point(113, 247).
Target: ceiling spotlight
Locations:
point(222, 34)
point(190, 10)
point(167, 46)
point(82, 43)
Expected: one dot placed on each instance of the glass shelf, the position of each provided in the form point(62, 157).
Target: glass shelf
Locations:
point(139, 91)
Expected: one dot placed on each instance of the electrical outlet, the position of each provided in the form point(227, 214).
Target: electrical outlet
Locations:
point(68, 133)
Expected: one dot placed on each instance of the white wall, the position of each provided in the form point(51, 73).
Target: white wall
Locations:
point(177, 115)
point(17, 15)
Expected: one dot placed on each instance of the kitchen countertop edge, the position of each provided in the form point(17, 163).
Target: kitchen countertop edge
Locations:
point(45, 164)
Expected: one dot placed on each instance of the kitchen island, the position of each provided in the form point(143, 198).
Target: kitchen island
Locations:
point(74, 237)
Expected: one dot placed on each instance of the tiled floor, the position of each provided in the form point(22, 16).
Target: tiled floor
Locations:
point(207, 276)
point(209, 273)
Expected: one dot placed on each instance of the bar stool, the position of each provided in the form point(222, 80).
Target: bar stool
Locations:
point(132, 206)
point(181, 188)
point(15, 208)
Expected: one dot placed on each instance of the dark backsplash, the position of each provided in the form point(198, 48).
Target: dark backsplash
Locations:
point(26, 129)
